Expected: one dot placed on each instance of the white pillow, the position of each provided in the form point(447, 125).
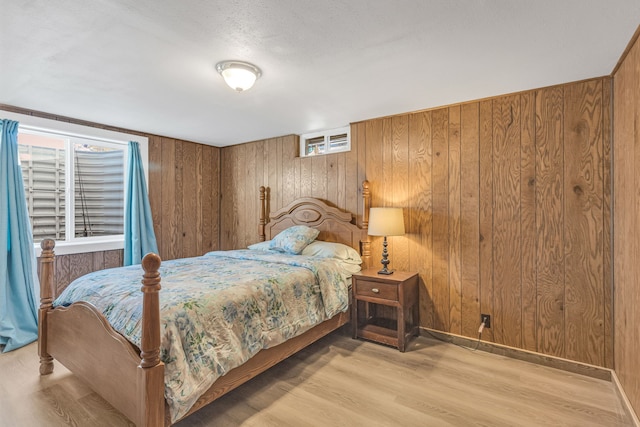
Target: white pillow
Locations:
point(349, 267)
point(333, 250)
point(260, 246)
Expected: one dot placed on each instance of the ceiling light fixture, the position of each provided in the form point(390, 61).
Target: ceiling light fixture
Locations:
point(238, 75)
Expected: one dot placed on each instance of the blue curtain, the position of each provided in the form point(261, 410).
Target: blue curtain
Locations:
point(19, 286)
point(139, 238)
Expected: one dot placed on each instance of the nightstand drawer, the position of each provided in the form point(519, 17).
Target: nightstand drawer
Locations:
point(377, 290)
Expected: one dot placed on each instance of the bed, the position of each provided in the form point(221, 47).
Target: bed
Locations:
point(130, 377)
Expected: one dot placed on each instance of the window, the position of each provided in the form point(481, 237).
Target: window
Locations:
point(325, 142)
point(95, 172)
point(74, 179)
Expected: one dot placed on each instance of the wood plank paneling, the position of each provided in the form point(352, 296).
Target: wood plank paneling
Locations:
point(626, 224)
point(289, 154)
point(607, 271)
point(440, 191)
point(178, 232)
point(420, 221)
point(470, 218)
point(583, 239)
point(455, 251)
point(528, 220)
point(189, 195)
point(400, 179)
point(373, 159)
point(486, 213)
point(485, 186)
point(168, 187)
point(550, 221)
point(507, 267)
point(352, 165)
point(200, 198)
point(155, 197)
point(251, 195)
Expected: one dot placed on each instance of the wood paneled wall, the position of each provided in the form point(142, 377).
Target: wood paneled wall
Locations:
point(184, 192)
point(626, 235)
point(275, 164)
point(507, 210)
point(69, 267)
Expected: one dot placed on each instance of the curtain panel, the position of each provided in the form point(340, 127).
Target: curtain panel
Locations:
point(139, 237)
point(19, 286)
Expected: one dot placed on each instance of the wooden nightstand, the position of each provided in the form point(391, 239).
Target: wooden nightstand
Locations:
point(398, 290)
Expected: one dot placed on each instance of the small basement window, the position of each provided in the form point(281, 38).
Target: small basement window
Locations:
point(325, 142)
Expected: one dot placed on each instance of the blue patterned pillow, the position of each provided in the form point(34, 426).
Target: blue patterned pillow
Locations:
point(294, 239)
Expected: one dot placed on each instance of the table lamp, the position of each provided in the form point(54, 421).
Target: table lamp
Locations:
point(386, 222)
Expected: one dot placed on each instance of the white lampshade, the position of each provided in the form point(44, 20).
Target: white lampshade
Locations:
point(386, 222)
point(238, 75)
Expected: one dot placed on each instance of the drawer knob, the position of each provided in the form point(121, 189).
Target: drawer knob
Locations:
point(375, 290)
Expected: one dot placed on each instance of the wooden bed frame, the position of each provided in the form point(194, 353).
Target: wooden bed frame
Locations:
point(132, 379)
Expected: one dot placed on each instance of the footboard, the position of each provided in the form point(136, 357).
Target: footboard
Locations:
point(81, 339)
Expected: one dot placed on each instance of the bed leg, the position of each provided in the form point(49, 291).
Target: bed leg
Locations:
point(47, 293)
point(151, 369)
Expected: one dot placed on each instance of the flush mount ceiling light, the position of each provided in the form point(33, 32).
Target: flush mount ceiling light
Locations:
point(238, 75)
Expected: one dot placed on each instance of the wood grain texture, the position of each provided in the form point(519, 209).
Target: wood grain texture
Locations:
point(177, 232)
point(528, 220)
point(455, 250)
point(486, 212)
point(189, 194)
point(440, 177)
point(607, 194)
point(400, 179)
point(420, 219)
point(470, 218)
point(583, 239)
point(168, 187)
point(374, 161)
point(626, 222)
point(341, 381)
point(155, 196)
point(484, 186)
point(550, 221)
point(507, 267)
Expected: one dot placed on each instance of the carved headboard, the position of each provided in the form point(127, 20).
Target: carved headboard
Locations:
point(334, 224)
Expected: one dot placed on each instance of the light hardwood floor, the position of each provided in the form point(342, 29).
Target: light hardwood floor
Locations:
point(339, 381)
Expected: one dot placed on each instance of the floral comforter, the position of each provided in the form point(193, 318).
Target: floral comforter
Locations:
point(217, 310)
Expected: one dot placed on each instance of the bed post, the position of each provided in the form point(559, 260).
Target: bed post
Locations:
point(47, 293)
point(151, 370)
point(365, 249)
point(261, 235)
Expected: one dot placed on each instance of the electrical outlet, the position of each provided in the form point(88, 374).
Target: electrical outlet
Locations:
point(486, 319)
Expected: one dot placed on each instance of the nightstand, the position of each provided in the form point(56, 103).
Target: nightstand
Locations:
point(371, 291)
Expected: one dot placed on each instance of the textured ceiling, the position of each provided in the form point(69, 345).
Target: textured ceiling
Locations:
point(148, 65)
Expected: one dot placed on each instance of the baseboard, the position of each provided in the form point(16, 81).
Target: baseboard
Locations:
point(625, 401)
point(525, 355)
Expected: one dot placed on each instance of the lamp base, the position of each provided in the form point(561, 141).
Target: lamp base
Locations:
point(385, 260)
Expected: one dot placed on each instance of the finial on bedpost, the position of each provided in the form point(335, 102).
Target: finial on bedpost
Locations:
point(261, 234)
point(150, 345)
point(365, 249)
point(47, 292)
point(366, 198)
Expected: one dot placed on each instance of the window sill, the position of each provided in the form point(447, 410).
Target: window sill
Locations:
point(96, 244)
